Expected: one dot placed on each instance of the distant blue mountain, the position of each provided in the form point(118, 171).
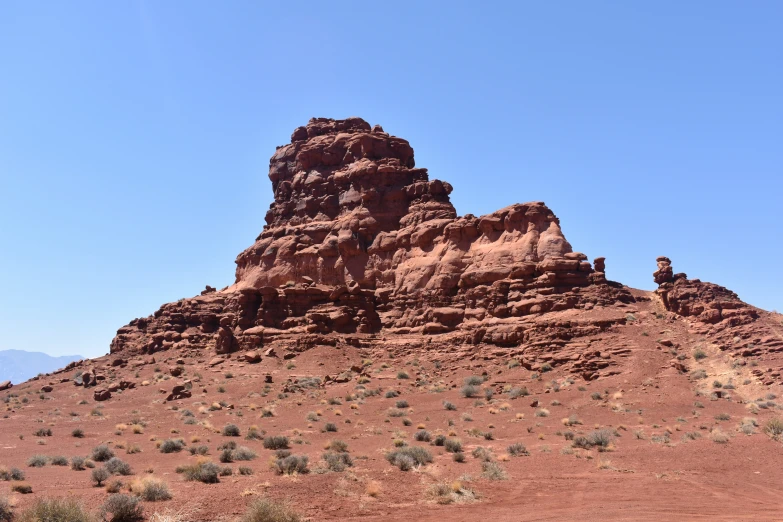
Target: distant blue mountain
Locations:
point(18, 366)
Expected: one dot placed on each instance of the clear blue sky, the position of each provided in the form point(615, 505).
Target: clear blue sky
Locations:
point(135, 136)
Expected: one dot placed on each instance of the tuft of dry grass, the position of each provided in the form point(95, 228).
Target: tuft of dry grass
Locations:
point(266, 510)
point(373, 489)
point(56, 509)
point(151, 489)
point(719, 437)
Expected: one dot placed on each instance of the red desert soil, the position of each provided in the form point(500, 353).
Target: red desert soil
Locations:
point(629, 405)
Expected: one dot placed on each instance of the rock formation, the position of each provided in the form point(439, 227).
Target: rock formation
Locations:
point(720, 313)
point(361, 242)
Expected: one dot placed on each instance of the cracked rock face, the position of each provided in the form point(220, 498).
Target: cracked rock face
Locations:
point(361, 241)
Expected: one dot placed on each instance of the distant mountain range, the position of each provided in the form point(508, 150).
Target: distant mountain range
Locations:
point(18, 365)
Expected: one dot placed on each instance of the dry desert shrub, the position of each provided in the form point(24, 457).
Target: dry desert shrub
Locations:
point(99, 476)
point(150, 489)
point(493, 471)
point(266, 510)
point(292, 464)
point(337, 445)
point(56, 510)
point(408, 457)
point(37, 461)
point(21, 487)
point(102, 453)
point(122, 508)
point(11, 474)
point(452, 445)
point(422, 436)
point(276, 442)
point(774, 428)
point(719, 437)
point(6, 513)
point(204, 471)
point(231, 430)
point(517, 450)
point(470, 391)
point(117, 466)
point(337, 461)
point(172, 445)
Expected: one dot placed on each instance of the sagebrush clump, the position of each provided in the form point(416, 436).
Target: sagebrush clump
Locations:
point(102, 453)
point(276, 442)
point(408, 457)
point(292, 464)
point(172, 445)
point(265, 510)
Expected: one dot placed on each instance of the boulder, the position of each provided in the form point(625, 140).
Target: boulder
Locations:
point(101, 395)
point(251, 357)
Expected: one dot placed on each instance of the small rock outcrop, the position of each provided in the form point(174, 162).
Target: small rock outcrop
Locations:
point(360, 241)
point(720, 312)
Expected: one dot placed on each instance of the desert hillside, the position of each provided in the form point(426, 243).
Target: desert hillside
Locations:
point(379, 357)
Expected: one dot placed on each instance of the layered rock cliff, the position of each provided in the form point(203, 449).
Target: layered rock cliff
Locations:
point(360, 242)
